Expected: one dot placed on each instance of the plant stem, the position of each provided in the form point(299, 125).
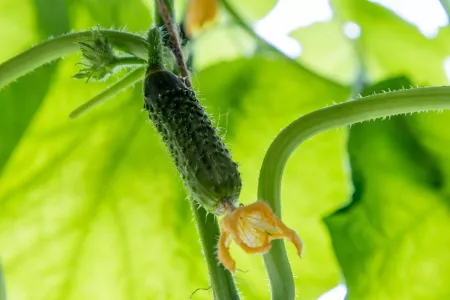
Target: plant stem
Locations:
point(123, 83)
point(63, 45)
point(221, 280)
point(128, 60)
point(368, 108)
point(173, 34)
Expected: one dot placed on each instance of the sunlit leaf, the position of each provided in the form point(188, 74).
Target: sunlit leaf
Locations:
point(134, 16)
point(2, 285)
point(19, 102)
point(253, 10)
point(221, 43)
point(326, 50)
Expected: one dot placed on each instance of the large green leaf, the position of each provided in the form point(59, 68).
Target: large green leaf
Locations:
point(134, 16)
point(253, 10)
point(391, 239)
point(221, 43)
point(326, 50)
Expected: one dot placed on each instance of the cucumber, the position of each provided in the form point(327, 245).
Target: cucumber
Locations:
point(201, 157)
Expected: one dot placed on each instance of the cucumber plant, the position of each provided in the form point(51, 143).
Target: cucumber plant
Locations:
point(204, 162)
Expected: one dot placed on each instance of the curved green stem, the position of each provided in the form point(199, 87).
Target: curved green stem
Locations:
point(368, 108)
point(125, 82)
point(128, 61)
point(221, 280)
point(63, 45)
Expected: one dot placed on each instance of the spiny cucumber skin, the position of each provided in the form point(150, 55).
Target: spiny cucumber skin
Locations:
point(201, 157)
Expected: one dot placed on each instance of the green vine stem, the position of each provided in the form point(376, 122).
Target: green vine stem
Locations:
point(120, 85)
point(221, 280)
point(129, 61)
point(364, 109)
point(172, 31)
point(63, 45)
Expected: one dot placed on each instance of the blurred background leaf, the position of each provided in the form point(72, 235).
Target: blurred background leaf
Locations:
point(327, 41)
point(25, 97)
point(253, 9)
point(391, 238)
point(2, 285)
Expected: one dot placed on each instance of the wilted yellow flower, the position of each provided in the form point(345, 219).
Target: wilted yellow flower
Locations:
point(252, 227)
point(199, 13)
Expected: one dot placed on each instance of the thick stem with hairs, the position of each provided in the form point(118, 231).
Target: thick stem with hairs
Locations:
point(60, 46)
point(174, 37)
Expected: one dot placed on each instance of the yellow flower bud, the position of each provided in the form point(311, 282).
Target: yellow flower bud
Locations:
point(199, 14)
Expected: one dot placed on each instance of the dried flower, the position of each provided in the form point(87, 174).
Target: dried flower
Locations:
point(252, 227)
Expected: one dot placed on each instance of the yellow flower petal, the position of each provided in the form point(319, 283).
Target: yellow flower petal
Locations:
point(252, 227)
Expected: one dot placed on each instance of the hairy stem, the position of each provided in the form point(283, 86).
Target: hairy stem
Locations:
point(221, 280)
point(122, 84)
point(176, 46)
point(368, 108)
point(63, 45)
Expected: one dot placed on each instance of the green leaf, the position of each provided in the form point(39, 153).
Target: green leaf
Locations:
point(253, 10)
point(52, 17)
point(135, 16)
point(391, 238)
point(221, 43)
point(2, 285)
point(19, 102)
point(326, 50)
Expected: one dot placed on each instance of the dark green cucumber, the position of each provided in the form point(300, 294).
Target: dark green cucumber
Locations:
point(201, 157)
